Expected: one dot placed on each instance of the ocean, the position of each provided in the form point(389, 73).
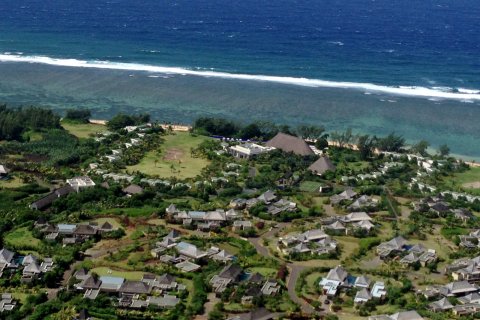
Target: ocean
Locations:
point(403, 66)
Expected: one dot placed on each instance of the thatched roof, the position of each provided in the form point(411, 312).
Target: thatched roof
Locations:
point(322, 165)
point(290, 143)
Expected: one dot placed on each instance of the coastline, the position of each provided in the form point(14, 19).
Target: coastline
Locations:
point(187, 127)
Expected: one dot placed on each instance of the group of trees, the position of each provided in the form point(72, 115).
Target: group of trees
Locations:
point(78, 115)
point(260, 130)
point(122, 120)
point(14, 122)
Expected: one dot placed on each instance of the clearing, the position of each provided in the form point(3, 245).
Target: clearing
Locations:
point(127, 275)
point(469, 179)
point(83, 130)
point(21, 238)
point(310, 186)
point(174, 158)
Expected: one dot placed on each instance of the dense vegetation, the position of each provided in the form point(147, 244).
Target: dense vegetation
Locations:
point(15, 122)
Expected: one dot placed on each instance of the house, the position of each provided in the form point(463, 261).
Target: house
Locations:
point(3, 171)
point(164, 302)
point(229, 275)
point(322, 165)
point(257, 314)
point(242, 225)
point(466, 309)
point(222, 256)
point(404, 315)
point(335, 279)
point(270, 288)
point(135, 287)
point(362, 282)
point(47, 200)
point(394, 246)
point(132, 189)
point(190, 251)
point(440, 305)
point(363, 203)
point(6, 260)
point(346, 195)
point(187, 266)
point(248, 150)
point(7, 303)
point(458, 289)
point(79, 183)
point(288, 143)
point(267, 197)
point(238, 204)
point(362, 296)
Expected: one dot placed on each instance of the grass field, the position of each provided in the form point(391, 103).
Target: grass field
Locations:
point(266, 272)
point(468, 179)
point(131, 212)
point(21, 237)
point(83, 130)
point(14, 182)
point(310, 186)
point(128, 275)
point(174, 158)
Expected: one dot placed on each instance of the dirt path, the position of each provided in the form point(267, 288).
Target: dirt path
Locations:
point(294, 268)
point(212, 300)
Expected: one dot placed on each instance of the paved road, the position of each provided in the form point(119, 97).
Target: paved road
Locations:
point(294, 268)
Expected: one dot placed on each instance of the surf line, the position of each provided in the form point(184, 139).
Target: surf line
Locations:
point(411, 91)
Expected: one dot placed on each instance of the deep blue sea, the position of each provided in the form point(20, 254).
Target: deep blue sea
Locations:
point(407, 66)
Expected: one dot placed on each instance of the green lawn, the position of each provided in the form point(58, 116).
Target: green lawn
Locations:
point(131, 212)
point(468, 179)
point(13, 182)
point(21, 237)
point(266, 272)
point(173, 158)
point(83, 130)
point(310, 186)
point(128, 275)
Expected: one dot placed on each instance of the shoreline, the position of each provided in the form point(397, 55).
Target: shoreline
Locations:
point(467, 95)
point(186, 128)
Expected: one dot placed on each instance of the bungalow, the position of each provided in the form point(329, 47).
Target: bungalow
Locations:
point(248, 150)
point(404, 315)
point(3, 171)
point(288, 143)
point(242, 225)
point(187, 266)
point(79, 183)
point(363, 203)
point(346, 195)
point(394, 246)
point(7, 303)
point(466, 309)
point(132, 190)
point(190, 251)
point(440, 305)
point(321, 166)
point(335, 279)
point(231, 274)
point(222, 256)
point(268, 197)
point(47, 200)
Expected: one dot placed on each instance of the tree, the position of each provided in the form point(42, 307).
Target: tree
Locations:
point(421, 148)
point(322, 142)
point(444, 150)
point(365, 145)
point(391, 143)
point(250, 131)
point(120, 121)
point(311, 132)
point(80, 115)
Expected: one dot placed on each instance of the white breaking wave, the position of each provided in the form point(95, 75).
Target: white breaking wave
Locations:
point(412, 91)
